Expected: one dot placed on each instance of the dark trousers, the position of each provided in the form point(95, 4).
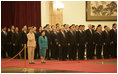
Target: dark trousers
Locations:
point(17, 50)
point(106, 50)
point(62, 53)
point(98, 51)
point(3, 50)
point(72, 52)
point(48, 52)
point(22, 53)
point(68, 48)
point(113, 50)
point(55, 51)
point(8, 50)
point(90, 51)
point(3, 53)
point(35, 55)
point(36, 52)
point(81, 50)
point(12, 50)
point(93, 49)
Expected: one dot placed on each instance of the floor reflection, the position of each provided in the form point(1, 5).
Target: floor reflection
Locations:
point(31, 70)
point(107, 62)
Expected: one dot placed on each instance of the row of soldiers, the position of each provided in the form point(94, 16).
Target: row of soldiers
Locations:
point(64, 42)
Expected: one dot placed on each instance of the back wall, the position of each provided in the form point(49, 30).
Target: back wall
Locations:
point(74, 12)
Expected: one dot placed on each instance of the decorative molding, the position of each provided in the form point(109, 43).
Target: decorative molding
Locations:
point(55, 14)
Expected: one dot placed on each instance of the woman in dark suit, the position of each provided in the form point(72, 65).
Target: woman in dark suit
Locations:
point(43, 44)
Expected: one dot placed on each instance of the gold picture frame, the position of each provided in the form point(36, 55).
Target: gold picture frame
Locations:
point(101, 10)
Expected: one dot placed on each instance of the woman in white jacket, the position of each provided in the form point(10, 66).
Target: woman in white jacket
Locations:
point(31, 44)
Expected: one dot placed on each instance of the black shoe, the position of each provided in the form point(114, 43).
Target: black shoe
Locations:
point(74, 59)
point(43, 62)
point(32, 63)
point(81, 59)
point(99, 57)
point(60, 60)
point(106, 57)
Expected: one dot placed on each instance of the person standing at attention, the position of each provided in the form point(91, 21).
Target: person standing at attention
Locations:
point(31, 44)
point(43, 44)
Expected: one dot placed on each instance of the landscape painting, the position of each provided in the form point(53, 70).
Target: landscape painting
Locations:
point(101, 10)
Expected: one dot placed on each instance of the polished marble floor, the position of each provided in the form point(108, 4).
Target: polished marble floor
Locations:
point(108, 62)
point(31, 70)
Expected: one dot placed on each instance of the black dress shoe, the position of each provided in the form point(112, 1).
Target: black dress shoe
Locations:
point(43, 62)
point(31, 63)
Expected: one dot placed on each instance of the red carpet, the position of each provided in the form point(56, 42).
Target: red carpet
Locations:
point(78, 65)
